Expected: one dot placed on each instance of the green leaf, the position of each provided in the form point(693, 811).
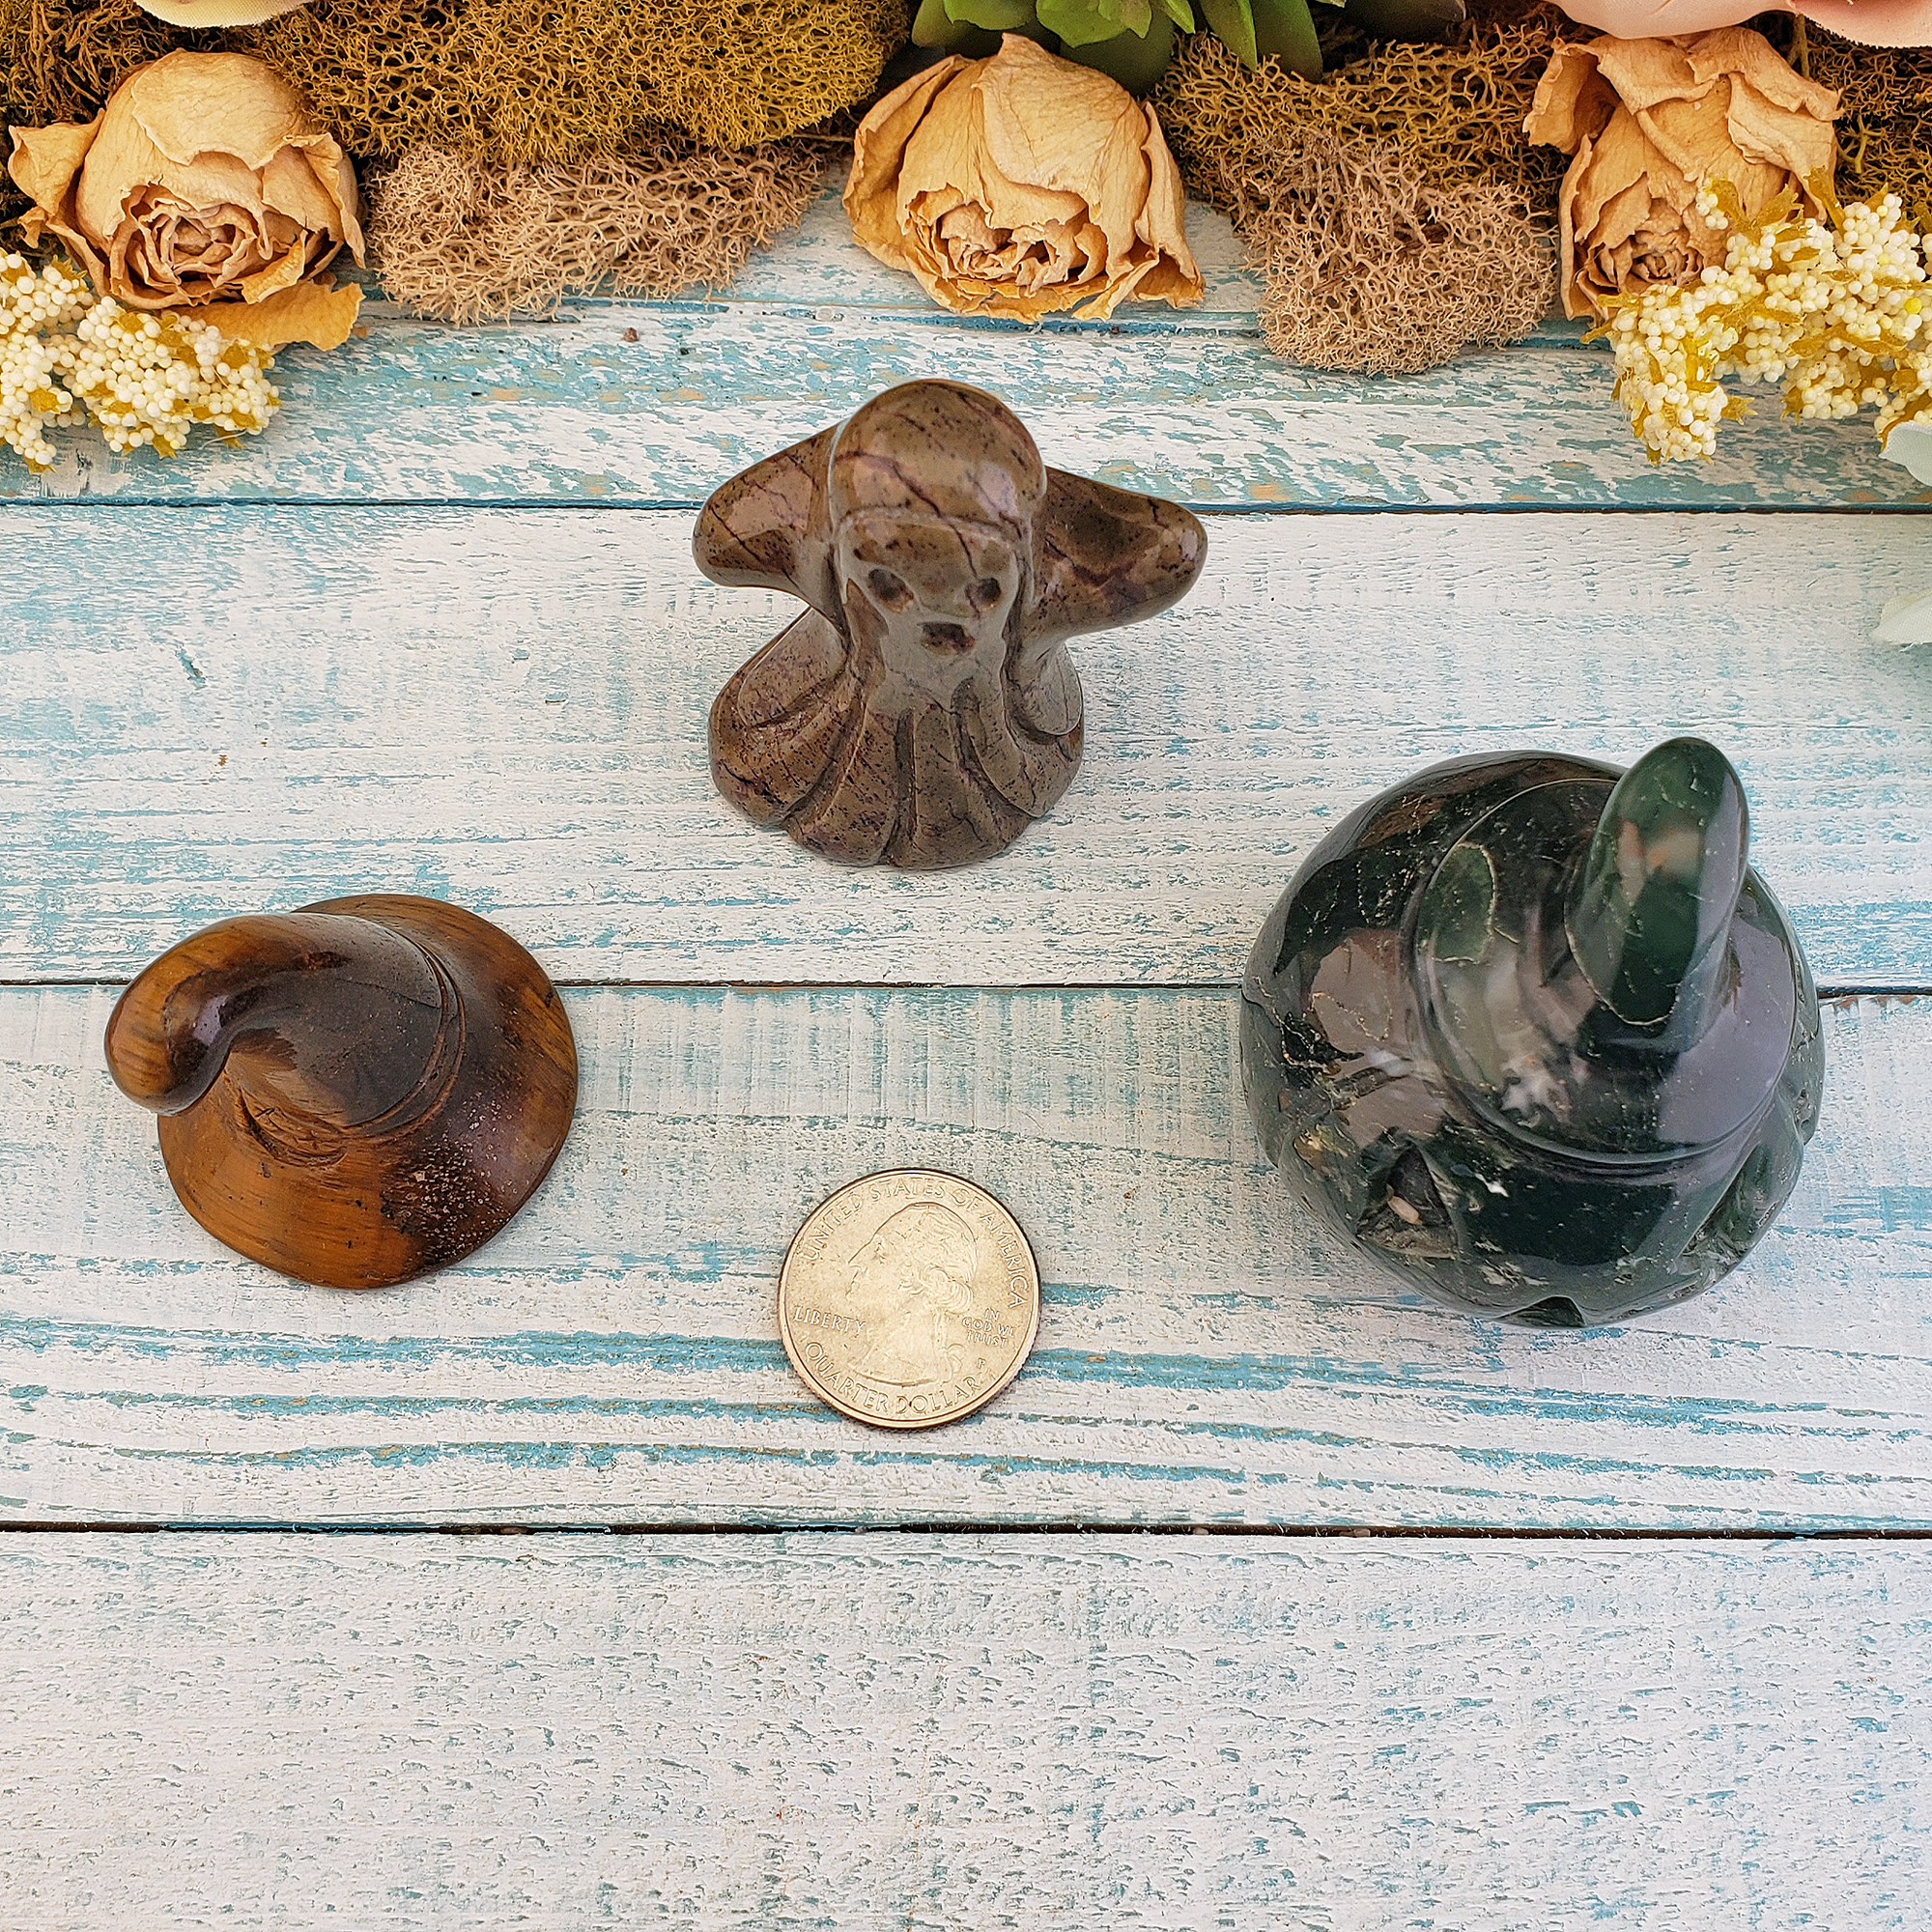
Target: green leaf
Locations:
point(997, 16)
point(1080, 23)
point(1284, 29)
point(933, 27)
point(1135, 59)
point(1234, 23)
point(1181, 13)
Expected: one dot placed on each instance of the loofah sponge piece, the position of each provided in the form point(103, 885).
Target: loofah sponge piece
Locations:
point(465, 242)
point(550, 80)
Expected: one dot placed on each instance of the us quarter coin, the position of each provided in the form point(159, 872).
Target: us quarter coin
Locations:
point(908, 1299)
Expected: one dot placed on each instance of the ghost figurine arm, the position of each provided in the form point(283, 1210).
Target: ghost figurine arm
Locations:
point(1108, 556)
point(766, 526)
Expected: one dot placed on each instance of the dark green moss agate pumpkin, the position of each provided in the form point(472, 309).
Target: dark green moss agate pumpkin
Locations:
point(1534, 1034)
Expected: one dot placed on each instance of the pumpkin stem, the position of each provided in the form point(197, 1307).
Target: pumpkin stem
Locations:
point(1649, 912)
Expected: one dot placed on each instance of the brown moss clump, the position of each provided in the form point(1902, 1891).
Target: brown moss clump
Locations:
point(1455, 111)
point(14, 18)
point(69, 55)
point(1396, 208)
point(462, 240)
point(13, 22)
point(519, 80)
point(1370, 267)
point(1884, 125)
point(557, 81)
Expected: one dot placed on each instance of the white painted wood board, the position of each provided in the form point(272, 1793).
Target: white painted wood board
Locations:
point(1205, 1355)
point(204, 710)
point(657, 403)
point(861, 1731)
point(214, 711)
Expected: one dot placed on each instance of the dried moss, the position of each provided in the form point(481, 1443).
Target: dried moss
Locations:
point(1884, 126)
point(464, 240)
point(1395, 207)
point(1371, 267)
point(15, 19)
point(74, 53)
point(520, 80)
point(556, 81)
point(1455, 111)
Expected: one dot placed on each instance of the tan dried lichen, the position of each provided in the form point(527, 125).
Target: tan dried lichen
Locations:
point(464, 242)
point(1395, 210)
point(1455, 111)
point(557, 81)
point(1885, 119)
point(69, 55)
point(519, 80)
point(1370, 267)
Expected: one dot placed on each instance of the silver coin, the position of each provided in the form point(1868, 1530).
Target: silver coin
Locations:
point(908, 1299)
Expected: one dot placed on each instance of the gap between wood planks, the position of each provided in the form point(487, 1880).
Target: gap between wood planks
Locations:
point(1280, 1531)
point(653, 506)
point(1826, 994)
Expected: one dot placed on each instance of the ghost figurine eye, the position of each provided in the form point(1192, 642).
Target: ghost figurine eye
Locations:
point(924, 709)
point(888, 588)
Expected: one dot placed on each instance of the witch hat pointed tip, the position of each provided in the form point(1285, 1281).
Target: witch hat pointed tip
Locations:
point(1651, 909)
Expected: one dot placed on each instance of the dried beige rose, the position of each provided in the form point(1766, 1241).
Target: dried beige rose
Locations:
point(1021, 184)
point(201, 15)
point(206, 180)
point(1649, 122)
point(1877, 23)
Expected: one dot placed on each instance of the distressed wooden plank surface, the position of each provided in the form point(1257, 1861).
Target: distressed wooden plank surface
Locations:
point(221, 710)
point(1057, 1732)
point(1205, 1355)
point(658, 403)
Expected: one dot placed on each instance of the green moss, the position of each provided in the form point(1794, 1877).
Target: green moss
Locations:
point(528, 80)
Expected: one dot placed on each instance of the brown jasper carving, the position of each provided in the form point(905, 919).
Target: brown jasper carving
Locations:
point(923, 708)
point(353, 1092)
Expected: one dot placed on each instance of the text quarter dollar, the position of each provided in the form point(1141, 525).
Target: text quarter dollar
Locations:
point(908, 1299)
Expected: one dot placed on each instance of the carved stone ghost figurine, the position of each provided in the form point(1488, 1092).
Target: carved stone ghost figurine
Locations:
point(354, 1092)
point(923, 708)
point(1533, 1033)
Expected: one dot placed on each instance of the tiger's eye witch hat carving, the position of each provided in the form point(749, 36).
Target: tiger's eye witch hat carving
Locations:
point(353, 1092)
point(923, 708)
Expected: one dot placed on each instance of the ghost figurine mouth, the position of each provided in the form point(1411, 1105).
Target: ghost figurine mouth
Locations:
point(948, 638)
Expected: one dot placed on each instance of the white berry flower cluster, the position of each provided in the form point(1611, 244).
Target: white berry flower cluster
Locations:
point(142, 379)
point(1840, 314)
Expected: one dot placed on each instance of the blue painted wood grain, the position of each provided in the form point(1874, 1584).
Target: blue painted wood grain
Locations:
point(1056, 1733)
point(1207, 1355)
point(205, 707)
point(217, 710)
point(643, 404)
point(220, 705)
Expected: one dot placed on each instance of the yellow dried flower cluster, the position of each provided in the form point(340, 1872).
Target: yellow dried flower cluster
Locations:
point(142, 379)
point(1838, 313)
